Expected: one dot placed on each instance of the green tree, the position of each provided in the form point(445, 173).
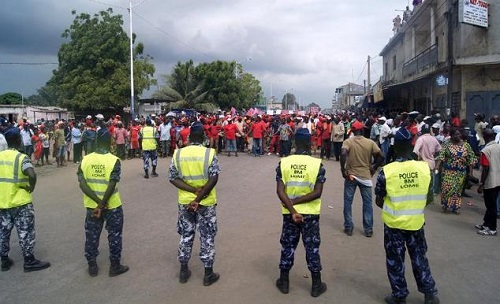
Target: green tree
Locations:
point(94, 65)
point(218, 84)
point(221, 82)
point(48, 94)
point(11, 98)
point(250, 91)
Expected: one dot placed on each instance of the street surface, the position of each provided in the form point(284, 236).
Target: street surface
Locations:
point(466, 266)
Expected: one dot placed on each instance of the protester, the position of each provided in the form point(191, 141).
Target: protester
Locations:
point(426, 148)
point(357, 171)
point(455, 163)
point(489, 182)
point(257, 129)
point(76, 140)
point(26, 134)
point(44, 138)
point(59, 144)
point(337, 137)
point(285, 133)
point(230, 131)
point(120, 136)
point(164, 130)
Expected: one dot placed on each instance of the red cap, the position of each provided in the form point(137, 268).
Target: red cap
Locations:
point(357, 125)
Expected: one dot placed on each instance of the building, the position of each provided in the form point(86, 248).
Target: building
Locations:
point(348, 95)
point(15, 113)
point(147, 107)
point(446, 58)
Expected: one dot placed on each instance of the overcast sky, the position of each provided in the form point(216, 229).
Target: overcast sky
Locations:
point(306, 47)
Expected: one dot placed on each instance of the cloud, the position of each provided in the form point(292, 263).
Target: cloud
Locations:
point(312, 46)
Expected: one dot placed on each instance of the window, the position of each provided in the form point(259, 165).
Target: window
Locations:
point(394, 62)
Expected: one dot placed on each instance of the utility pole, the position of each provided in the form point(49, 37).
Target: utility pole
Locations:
point(369, 78)
point(449, 61)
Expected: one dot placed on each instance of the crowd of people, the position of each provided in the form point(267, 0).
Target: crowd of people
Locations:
point(421, 156)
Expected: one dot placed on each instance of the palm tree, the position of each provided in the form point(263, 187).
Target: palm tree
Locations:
point(183, 89)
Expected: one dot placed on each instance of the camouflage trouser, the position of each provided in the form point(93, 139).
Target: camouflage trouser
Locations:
point(395, 242)
point(146, 155)
point(93, 228)
point(206, 220)
point(23, 218)
point(290, 237)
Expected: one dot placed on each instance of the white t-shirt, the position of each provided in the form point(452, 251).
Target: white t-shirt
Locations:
point(3, 143)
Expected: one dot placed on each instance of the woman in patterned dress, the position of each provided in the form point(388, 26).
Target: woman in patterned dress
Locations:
point(455, 161)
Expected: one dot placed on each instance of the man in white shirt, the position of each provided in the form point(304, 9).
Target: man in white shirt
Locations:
point(164, 129)
point(383, 138)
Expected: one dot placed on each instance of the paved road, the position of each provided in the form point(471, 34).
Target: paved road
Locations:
point(465, 265)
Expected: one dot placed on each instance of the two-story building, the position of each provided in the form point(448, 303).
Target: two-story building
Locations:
point(348, 95)
point(433, 63)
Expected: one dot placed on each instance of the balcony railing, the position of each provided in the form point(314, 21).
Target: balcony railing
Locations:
point(421, 62)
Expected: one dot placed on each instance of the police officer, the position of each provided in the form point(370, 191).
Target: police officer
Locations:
point(17, 182)
point(300, 179)
point(194, 170)
point(99, 174)
point(401, 192)
point(148, 137)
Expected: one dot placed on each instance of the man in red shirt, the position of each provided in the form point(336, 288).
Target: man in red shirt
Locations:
point(184, 134)
point(257, 131)
point(214, 130)
point(230, 131)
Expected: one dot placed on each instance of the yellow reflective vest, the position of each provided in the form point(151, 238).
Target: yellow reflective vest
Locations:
point(299, 174)
point(148, 138)
point(192, 163)
point(407, 184)
point(12, 179)
point(97, 170)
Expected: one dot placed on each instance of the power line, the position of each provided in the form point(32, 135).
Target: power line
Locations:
point(29, 63)
point(366, 63)
point(172, 37)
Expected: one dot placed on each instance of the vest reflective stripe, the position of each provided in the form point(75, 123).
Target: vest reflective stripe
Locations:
point(13, 180)
point(148, 139)
point(192, 163)
point(403, 212)
point(300, 184)
point(97, 170)
point(299, 174)
point(407, 184)
point(405, 198)
point(205, 159)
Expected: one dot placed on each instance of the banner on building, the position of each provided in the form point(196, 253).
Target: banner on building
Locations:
point(473, 12)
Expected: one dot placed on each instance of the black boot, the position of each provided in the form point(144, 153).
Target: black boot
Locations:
point(393, 300)
point(318, 287)
point(283, 283)
point(6, 263)
point(93, 269)
point(431, 299)
point(146, 173)
point(116, 269)
point(32, 264)
point(184, 274)
point(210, 276)
point(154, 174)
